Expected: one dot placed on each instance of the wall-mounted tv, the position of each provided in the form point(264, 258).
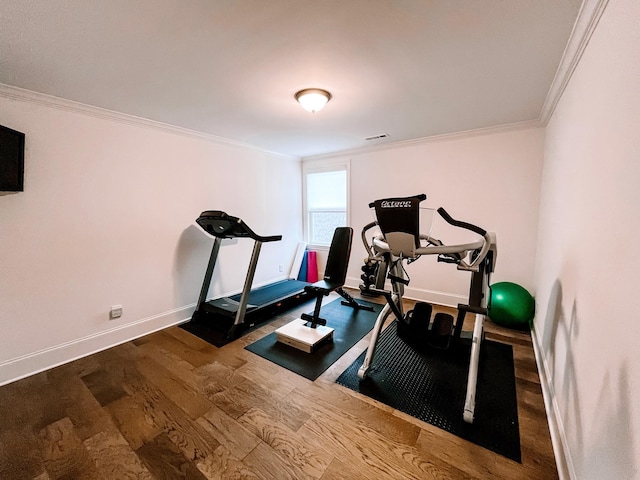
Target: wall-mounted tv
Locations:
point(11, 160)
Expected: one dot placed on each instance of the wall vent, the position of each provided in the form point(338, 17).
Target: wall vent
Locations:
point(376, 137)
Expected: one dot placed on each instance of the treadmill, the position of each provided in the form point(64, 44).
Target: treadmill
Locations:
point(250, 306)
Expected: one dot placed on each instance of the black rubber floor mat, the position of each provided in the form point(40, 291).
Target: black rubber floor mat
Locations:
point(431, 386)
point(349, 327)
point(272, 292)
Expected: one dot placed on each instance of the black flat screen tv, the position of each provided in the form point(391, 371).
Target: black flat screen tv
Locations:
point(11, 160)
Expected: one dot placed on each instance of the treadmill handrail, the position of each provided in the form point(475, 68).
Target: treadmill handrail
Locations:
point(222, 225)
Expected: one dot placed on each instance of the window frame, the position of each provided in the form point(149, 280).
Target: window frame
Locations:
point(323, 166)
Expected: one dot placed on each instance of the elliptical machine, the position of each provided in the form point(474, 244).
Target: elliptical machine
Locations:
point(400, 240)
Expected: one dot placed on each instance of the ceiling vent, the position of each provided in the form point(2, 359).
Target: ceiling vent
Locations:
point(376, 137)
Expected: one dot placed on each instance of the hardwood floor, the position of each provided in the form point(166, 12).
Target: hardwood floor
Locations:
point(169, 405)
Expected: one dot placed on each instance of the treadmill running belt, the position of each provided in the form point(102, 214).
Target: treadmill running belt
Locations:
point(270, 293)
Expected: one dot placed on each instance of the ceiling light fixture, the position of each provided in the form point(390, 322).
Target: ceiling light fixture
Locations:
point(313, 99)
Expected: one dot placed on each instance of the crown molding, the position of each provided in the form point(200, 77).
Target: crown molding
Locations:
point(29, 96)
point(584, 26)
point(509, 127)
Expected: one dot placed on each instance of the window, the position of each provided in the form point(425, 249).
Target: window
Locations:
point(326, 201)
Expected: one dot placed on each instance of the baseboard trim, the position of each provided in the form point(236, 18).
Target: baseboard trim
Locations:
point(564, 463)
point(437, 298)
point(36, 362)
point(432, 296)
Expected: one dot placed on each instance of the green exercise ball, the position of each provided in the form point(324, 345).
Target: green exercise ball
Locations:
point(511, 305)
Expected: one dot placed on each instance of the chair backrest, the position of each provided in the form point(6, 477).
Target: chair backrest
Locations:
point(399, 221)
point(338, 259)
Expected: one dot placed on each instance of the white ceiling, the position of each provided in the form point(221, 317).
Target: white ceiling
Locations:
point(230, 68)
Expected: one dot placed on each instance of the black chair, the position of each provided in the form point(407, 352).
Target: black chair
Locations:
point(334, 277)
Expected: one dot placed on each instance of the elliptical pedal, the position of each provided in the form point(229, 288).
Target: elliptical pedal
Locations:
point(414, 327)
point(441, 331)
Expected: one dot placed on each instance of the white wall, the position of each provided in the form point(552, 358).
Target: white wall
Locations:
point(490, 179)
point(107, 217)
point(587, 324)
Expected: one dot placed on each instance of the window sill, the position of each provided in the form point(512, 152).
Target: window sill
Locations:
point(318, 248)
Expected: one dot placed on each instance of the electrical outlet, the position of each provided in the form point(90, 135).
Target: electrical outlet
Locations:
point(116, 312)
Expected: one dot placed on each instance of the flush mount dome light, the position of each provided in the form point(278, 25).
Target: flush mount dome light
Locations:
point(313, 99)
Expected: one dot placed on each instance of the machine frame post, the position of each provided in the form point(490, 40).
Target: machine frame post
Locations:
point(208, 274)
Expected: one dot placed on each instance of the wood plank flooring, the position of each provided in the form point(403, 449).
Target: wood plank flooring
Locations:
point(169, 405)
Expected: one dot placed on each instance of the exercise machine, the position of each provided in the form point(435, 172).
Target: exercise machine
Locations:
point(399, 240)
point(309, 332)
point(250, 306)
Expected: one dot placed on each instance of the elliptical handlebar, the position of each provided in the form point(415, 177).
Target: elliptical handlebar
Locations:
point(366, 228)
point(457, 223)
point(455, 253)
point(488, 240)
